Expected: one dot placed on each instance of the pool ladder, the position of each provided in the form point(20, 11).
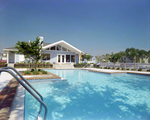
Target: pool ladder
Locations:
point(27, 88)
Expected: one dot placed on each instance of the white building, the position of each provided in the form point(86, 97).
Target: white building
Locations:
point(58, 52)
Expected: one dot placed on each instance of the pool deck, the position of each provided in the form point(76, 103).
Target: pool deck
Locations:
point(117, 71)
point(12, 105)
point(17, 107)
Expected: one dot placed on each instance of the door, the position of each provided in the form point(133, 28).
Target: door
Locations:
point(61, 58)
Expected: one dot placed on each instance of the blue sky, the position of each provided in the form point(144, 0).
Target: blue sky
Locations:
point(94, 26)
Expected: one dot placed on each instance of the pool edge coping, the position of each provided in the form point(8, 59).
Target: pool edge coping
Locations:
point(131, 72)
point(19, 100)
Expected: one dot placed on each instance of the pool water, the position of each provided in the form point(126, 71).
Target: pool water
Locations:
point(92, 96)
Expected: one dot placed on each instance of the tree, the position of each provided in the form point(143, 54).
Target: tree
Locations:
point(148, 55)
point(132, 53)
point(30, 50)
point(107, 56)
point(98, 59)
point(114, 58)
point(87, 57)
point(142, 54)
point(121, 54)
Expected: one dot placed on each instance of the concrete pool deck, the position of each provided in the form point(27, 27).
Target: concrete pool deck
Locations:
point(17, 107)
point(117, 71)
point(12, 105)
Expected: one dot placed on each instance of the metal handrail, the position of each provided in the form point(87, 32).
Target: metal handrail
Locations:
point(26, 83)
point(26, 87)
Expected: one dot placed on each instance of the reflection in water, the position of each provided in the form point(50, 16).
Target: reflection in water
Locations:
point(89, 95)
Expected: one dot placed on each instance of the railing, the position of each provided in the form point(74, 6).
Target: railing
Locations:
point(26, 87)
point(144, 66)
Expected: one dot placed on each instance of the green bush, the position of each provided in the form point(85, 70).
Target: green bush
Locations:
point(139, 69)
point(118, 68)
point(32, 70)
point(48, 63)
point(123, 69)
point(35, 72)
point(113, 68)
point(127, 69)
point(39, 70)
point(80, 64)
point(100, 67)
point(105, 67)
point(44, 72)
point(148, 70)
point(108, 68)
point(2, 63)
point(27, 72)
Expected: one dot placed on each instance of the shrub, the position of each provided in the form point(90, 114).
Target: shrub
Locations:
point(2, 63)
point(105, 67)
point(113, 68)
point(80, 64)
point(139, 69)
point(108, 68)
point(118, 68)
point(44, 72)
point(127, 69)
point(100, 67)
point(32, 70)
point(123, 69)
point(48, 63)
point(148, 70)
point(39, 70)
point(35, 72)
point(27, 72)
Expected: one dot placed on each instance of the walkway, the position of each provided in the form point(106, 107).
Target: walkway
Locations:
point(109, 71)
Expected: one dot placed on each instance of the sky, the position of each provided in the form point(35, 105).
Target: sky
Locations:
point(95, 27)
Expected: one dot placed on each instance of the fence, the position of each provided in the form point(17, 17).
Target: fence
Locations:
point(143, 66)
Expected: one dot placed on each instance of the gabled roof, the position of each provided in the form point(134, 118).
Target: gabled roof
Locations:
point(64, 44)
point(10, 49)
point(48, 45)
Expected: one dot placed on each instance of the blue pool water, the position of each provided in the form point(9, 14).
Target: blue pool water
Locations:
point(92, 96)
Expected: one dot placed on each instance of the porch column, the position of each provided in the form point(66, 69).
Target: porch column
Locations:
point(80, 58)
point(7, 57)
point(40, 55)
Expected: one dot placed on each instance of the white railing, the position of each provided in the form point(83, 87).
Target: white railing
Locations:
point(143, 66)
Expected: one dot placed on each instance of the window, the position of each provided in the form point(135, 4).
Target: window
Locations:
point(59, 47)
point(58, 58)
point(63, 58)
point(72, 58)
point(67, 58)
point(45, 56)
point(53, 48)
point(47, 49)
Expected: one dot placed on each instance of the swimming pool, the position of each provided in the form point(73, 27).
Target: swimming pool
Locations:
point(92, 96)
